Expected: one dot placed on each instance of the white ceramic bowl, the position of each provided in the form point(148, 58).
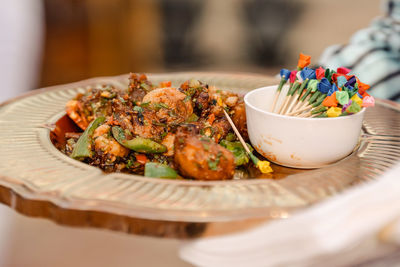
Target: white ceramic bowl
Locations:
point(298, 142)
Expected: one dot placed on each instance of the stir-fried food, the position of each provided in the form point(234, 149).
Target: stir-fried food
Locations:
point(159, 131)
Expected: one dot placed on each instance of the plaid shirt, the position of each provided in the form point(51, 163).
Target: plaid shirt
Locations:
point(373, 54)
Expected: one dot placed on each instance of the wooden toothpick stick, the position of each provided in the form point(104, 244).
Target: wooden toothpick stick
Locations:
point(262, 165)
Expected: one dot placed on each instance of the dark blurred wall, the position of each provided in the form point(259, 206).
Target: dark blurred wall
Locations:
point(88, 38)
point(99, 37)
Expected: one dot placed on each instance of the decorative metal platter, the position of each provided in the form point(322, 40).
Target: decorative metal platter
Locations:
point(38, 180)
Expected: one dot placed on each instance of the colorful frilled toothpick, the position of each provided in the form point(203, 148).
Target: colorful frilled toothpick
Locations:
point(321, 93)
point(304, 77)
point(285, 75)
point(295, 84)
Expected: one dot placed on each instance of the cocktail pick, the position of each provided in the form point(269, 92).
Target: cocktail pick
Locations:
point(351, 81)
point(362, 87)
point(343, 70)
point(293, 83)
point(304, 61)
point(292, 98)
point(289, 97)
point(320, 73)
point(315, 105)
point(341, 81)
point(342, 97)
point(305, 75)
point(311, 89)
point(262, 165)
point(285, 75)
point(323, 88)
point(368, 101)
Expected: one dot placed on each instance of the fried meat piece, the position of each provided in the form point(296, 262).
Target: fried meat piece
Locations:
point(139, 86)
point(200, 158)
point(239, 119)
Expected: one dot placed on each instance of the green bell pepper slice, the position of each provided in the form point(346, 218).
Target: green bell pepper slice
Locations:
point(157, 170)
point(82, 148)
point(138, 144)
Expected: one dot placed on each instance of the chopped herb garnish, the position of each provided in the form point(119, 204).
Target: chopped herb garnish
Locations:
point(192, 118)
point(172, 113)
point(207, 131)
point(205, 138)
point(146, 87)
point(213, 164)
point(230, 137)
point(206, 146)
point(158, 106)
point(145, 104)
point(121, 99)
point(159, 123)
point(138, 109)
point(187, 98)
point(164, 134)
point(129, 163)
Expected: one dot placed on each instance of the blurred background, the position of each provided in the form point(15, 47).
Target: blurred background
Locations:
point(49, 42)
point(71, 40)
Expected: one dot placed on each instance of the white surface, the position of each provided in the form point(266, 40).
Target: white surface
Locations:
point(33, 242)
point(21, 37)
point(21, 30)
point(298, 142)
point(342, 231)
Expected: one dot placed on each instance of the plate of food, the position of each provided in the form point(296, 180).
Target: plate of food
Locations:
point(158, 149)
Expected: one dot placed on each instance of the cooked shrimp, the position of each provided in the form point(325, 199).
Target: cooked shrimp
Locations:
point(107, 144)
point(145, 125)
point(168, 141)
point(75, 112)
point(171, 104)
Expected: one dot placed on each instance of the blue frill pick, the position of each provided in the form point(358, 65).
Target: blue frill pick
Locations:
point(285, 74)
point(324, 86)
point(332, 89)
point(308, 73)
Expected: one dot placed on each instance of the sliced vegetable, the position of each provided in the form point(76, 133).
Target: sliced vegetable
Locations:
point(230, 137)
point(138, 108)
point(141, 158)
point(165, 84)
point(192, 118)
point(157, 170)
point(211, 118)
point(137, 144)
point(82, 148)
point(238, 151)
